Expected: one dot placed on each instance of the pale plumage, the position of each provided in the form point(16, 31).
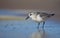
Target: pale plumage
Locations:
point(39, 17)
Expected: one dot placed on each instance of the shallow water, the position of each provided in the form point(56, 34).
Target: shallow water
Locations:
point(23, 29)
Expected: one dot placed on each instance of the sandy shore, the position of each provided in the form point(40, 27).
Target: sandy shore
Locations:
point(11, 17)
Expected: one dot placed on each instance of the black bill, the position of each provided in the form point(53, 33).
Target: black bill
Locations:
point(27, 17)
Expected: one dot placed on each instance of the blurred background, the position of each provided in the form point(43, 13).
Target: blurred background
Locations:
point(45, 5)
point(13, 13)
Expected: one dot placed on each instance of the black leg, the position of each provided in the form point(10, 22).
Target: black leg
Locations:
point(43, 25)
point(38, 26)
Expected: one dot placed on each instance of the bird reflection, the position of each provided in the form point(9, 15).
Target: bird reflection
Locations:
point(39, 34)
point(43, 32)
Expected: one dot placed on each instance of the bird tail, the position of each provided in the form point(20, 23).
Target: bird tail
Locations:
point(52, 14)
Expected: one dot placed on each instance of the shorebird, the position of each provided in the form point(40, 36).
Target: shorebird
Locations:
point(39, 17)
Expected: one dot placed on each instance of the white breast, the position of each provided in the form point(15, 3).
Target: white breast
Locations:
point(36, 18)
point(39, 18)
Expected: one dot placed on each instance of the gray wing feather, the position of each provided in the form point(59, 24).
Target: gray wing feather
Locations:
point(43, 14)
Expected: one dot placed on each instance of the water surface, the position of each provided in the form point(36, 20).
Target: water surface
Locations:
point(23, 29)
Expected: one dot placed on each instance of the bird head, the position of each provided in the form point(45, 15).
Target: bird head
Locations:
point(30, 14)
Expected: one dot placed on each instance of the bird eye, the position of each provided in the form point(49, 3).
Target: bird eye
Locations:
point(30, 14)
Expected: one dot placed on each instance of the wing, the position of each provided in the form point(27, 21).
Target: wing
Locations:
point(43, 14)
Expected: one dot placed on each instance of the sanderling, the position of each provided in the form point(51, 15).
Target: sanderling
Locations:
point(39, 17)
